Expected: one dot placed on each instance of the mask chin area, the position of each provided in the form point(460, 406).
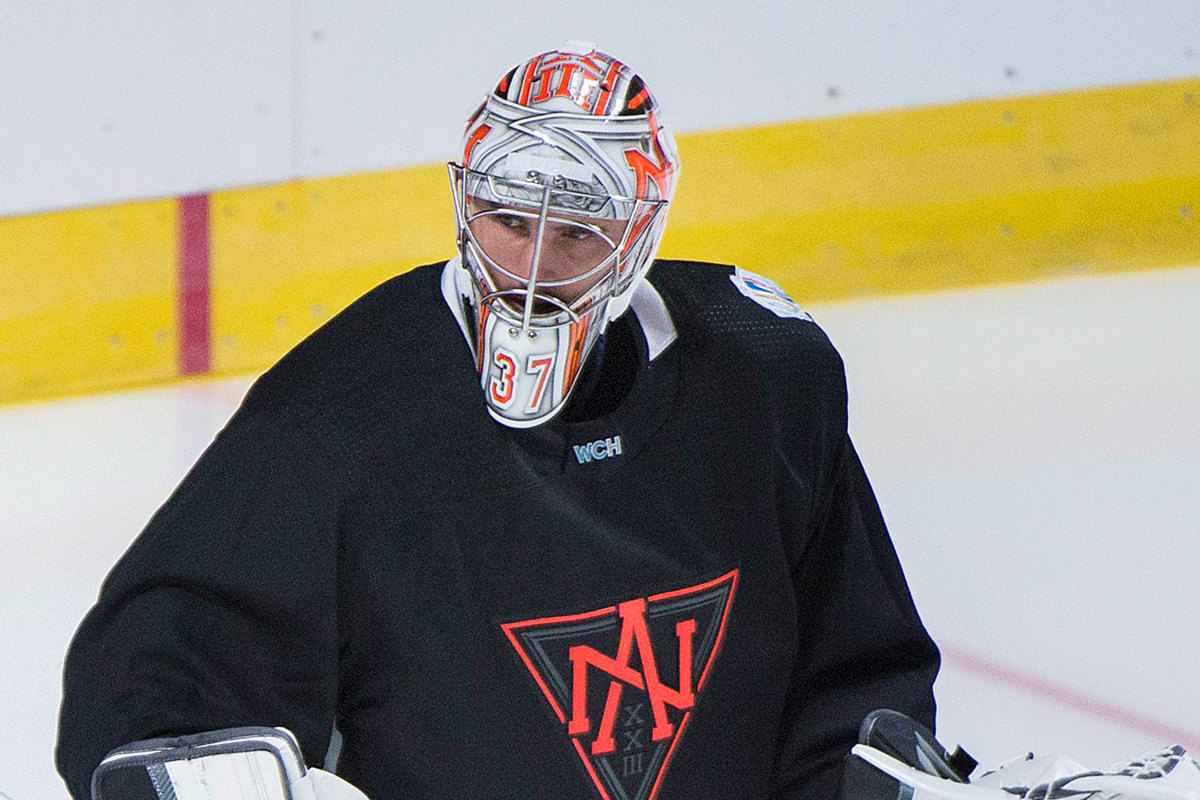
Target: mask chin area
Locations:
point(528, 372)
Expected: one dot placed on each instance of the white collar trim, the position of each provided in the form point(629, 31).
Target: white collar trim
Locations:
point(456, 290)
point(654, 317)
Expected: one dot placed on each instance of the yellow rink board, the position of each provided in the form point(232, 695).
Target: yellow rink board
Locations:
point(87, 299)
point(901, 201)
point(286, 258)
point(951, 196)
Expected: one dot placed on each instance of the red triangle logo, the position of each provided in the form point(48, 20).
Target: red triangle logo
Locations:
point(624, 681)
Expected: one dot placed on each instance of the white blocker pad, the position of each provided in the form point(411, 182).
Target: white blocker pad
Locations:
point(233, 764)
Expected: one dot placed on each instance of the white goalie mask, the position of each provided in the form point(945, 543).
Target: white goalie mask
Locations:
point(560, 202)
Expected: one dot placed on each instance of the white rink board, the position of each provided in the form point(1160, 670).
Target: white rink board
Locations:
point(1036, 449)
point(126, 99)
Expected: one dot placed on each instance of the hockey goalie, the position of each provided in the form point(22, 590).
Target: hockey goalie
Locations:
point(551, 519)
point(895, 759)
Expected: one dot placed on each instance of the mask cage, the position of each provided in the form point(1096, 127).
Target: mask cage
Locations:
point(539, 199)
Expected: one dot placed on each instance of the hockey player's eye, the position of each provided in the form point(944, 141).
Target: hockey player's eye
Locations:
point(577, 234)
point(512, 222)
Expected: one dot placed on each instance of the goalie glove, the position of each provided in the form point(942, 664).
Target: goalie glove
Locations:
point(898, 759)
point(232, 764)
point(871, 774)
point(1167, 774)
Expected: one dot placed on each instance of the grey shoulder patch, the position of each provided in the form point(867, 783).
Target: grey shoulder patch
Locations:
point(768, 294)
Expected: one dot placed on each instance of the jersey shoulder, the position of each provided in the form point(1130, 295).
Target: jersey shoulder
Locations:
point(375, 345)
point(735, 313)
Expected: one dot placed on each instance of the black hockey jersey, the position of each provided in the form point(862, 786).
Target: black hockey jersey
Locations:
point(690, 595)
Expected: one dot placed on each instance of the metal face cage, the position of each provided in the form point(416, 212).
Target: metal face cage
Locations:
point(545, 249)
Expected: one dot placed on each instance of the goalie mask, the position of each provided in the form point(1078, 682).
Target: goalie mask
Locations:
point(560, 202)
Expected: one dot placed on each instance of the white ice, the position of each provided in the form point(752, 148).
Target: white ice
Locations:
point(1035, 448)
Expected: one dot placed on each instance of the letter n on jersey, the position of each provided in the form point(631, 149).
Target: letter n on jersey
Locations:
point(623, 681)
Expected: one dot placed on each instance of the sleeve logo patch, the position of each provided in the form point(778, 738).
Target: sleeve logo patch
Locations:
point(623, 681)
point(768, 294)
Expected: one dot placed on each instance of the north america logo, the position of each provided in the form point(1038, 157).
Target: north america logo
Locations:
point(623, 681)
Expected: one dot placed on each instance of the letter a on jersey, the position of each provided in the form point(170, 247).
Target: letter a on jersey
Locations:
point(624, 680)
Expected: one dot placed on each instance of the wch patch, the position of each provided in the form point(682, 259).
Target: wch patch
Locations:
point(597, 450)
point(624, 680)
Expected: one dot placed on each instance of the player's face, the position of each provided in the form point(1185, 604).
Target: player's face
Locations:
point(571, 248)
